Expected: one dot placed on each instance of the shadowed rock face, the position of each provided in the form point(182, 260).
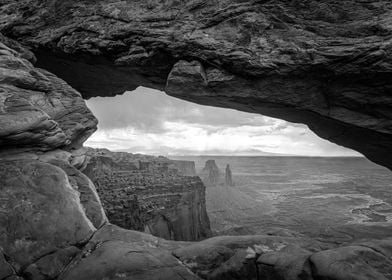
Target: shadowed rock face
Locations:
point(323, 63)
point(38, 111)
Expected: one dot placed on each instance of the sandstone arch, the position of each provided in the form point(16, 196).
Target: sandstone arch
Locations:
point(326, 63)
point(323, 63)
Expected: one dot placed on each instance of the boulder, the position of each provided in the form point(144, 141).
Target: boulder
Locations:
point(137, 239)
point(40, 211)
point(227, 257)
point(88, 194)
point(351, 262)
point(289, 263)
point(115, 253)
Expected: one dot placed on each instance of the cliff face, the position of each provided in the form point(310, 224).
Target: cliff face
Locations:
point(228, 177)
point(150, 194)
point(185, 167)
point(324, 63)
point(210, 173)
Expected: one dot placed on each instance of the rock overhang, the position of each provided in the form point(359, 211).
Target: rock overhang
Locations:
point(323, 63)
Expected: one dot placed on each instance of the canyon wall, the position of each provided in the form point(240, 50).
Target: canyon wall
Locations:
point(150, 194)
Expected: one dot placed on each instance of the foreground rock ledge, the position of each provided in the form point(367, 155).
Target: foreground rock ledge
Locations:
point(327, 64)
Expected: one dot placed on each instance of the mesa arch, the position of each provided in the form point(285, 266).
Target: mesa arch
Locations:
point(323, 63)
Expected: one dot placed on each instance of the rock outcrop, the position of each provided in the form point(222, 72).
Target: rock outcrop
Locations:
point(37, 109)
point(228, 176)
point(40, 212)
point(210, 173)
point(114, 253)
point(287, 258)
point(150, 194)
point(323, 63)
point(185, 167)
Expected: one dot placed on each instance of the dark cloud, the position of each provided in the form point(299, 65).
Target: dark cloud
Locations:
point(147, 110)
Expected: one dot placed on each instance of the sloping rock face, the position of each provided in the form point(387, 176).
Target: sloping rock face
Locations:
point(114, 253)
point(40, 212)
point(150, 194)
point(287, 258)
point(323, 63)
point(37, 109)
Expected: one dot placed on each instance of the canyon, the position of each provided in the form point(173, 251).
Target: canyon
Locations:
point(151, 194)
point(323, 63)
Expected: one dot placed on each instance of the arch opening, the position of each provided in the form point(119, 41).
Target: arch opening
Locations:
point(284, 177)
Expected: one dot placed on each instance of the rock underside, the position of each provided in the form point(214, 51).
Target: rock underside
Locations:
point(323, 63)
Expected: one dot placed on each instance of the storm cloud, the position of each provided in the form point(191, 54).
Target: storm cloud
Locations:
point(149, 121)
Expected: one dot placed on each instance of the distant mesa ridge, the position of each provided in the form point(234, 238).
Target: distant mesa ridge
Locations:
point(212, 176)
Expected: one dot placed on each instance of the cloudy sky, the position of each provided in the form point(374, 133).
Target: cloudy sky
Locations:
point(149, 121)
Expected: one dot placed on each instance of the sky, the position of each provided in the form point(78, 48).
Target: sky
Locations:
point(150, 122)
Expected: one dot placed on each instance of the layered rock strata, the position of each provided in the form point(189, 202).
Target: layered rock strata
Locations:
point(150, 194)
point(38, 111)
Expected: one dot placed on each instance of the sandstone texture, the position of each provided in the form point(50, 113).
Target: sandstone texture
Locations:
point(88, 195)
point(325, 63)
point(115, 253)
point(40, 212)
point(150, 194)
point(286, 258)
point(37, 109)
